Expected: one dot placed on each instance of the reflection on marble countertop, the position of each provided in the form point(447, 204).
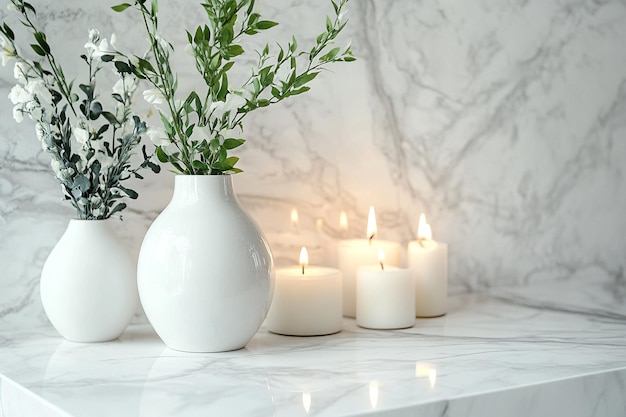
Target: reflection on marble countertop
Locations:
point(496, 353)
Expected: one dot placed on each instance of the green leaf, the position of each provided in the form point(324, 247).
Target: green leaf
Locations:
point(8, 32)
point(119, 207)
point(161, 155)
point(233, 143)
point(38, 50)
point(123, 67)
point(130, 193)
point(41, 40)
point(304, 78)
point(235, 50)
point(121, 7)
point(265, 24)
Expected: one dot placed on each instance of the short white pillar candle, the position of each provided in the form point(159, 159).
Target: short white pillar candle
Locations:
point(385, 297)
point(428, 262)
point(353, 253)
point(306, 302)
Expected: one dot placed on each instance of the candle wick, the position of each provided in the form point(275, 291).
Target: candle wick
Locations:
point(382, 266)
point(371, 238)
point(421, 241)
point(302, 269)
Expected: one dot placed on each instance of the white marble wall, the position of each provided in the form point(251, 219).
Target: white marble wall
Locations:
point(503, 121)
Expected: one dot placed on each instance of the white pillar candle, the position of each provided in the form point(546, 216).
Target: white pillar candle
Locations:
point(385, 297)
point(428, 261)
point(306, 302)
point(354, 253)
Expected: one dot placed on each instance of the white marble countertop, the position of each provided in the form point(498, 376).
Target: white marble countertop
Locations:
point(551, 349)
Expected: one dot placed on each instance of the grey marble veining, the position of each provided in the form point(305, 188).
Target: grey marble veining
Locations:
point(503, 121)
point(493, 354)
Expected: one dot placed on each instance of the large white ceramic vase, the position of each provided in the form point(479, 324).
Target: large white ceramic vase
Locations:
point(205, 271)
point(88, 283)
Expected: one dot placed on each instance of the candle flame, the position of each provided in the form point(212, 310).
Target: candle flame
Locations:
point(373, 393)
point(371, 224)
point(343, 221)
point(304, 258)
point(381, 258)
point(294, 216)
point(306, 401)
point(424, 231)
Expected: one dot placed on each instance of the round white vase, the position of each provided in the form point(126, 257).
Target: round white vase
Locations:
point(88, 283)
point(205, 271)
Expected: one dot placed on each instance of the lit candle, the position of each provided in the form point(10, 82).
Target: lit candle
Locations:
point(354, 253)
point(385, 296)
point(307, 300)
point(428, 261)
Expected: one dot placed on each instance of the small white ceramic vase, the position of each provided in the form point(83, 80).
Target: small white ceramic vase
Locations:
point(88, 283)
point(205, 271)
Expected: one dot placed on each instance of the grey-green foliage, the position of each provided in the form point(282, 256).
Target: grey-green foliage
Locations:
point(198, 130)
point(90, 146)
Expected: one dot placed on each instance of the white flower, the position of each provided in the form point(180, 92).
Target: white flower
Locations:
point(97, 212)
point(153, 96)
point(158, 136)
point(18, 95)
point(101, 49)
point(189, 50)
point(18, 113)
point(106, 161)
point(38, 89)
point(165, 45)
point(35, 113)
point(20, 72)
point(120, 112)
point(82, 135)
point(94, 35)
point(118, 87)
point(233, 102)
point(56, 167)
point(6, 51)
point(341, 15)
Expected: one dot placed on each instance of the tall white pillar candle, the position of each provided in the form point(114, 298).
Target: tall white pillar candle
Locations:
point(306, 302)
point(385, 297)
point(428, 262)
point(353, 253)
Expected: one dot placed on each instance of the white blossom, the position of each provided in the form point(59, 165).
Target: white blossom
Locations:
point(105, 160)
point(94, 35)
point(38, 89)
point(18, 95)
point(341, 16)
point(158, 136)
point(35, 113)
point(18, 113)
point(153, 96)
point(98, 211)
point(6, 51)
point(56, 167)
point(82, 135)
point(40, 131)
point(101, 49)
point(189, 50)
point(20, 72)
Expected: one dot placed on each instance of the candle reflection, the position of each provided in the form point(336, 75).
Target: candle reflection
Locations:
point(306, 401)
point(432, 377)
point(295, 218)
point(343, 221)
point(373, 393)
point(426, 370)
